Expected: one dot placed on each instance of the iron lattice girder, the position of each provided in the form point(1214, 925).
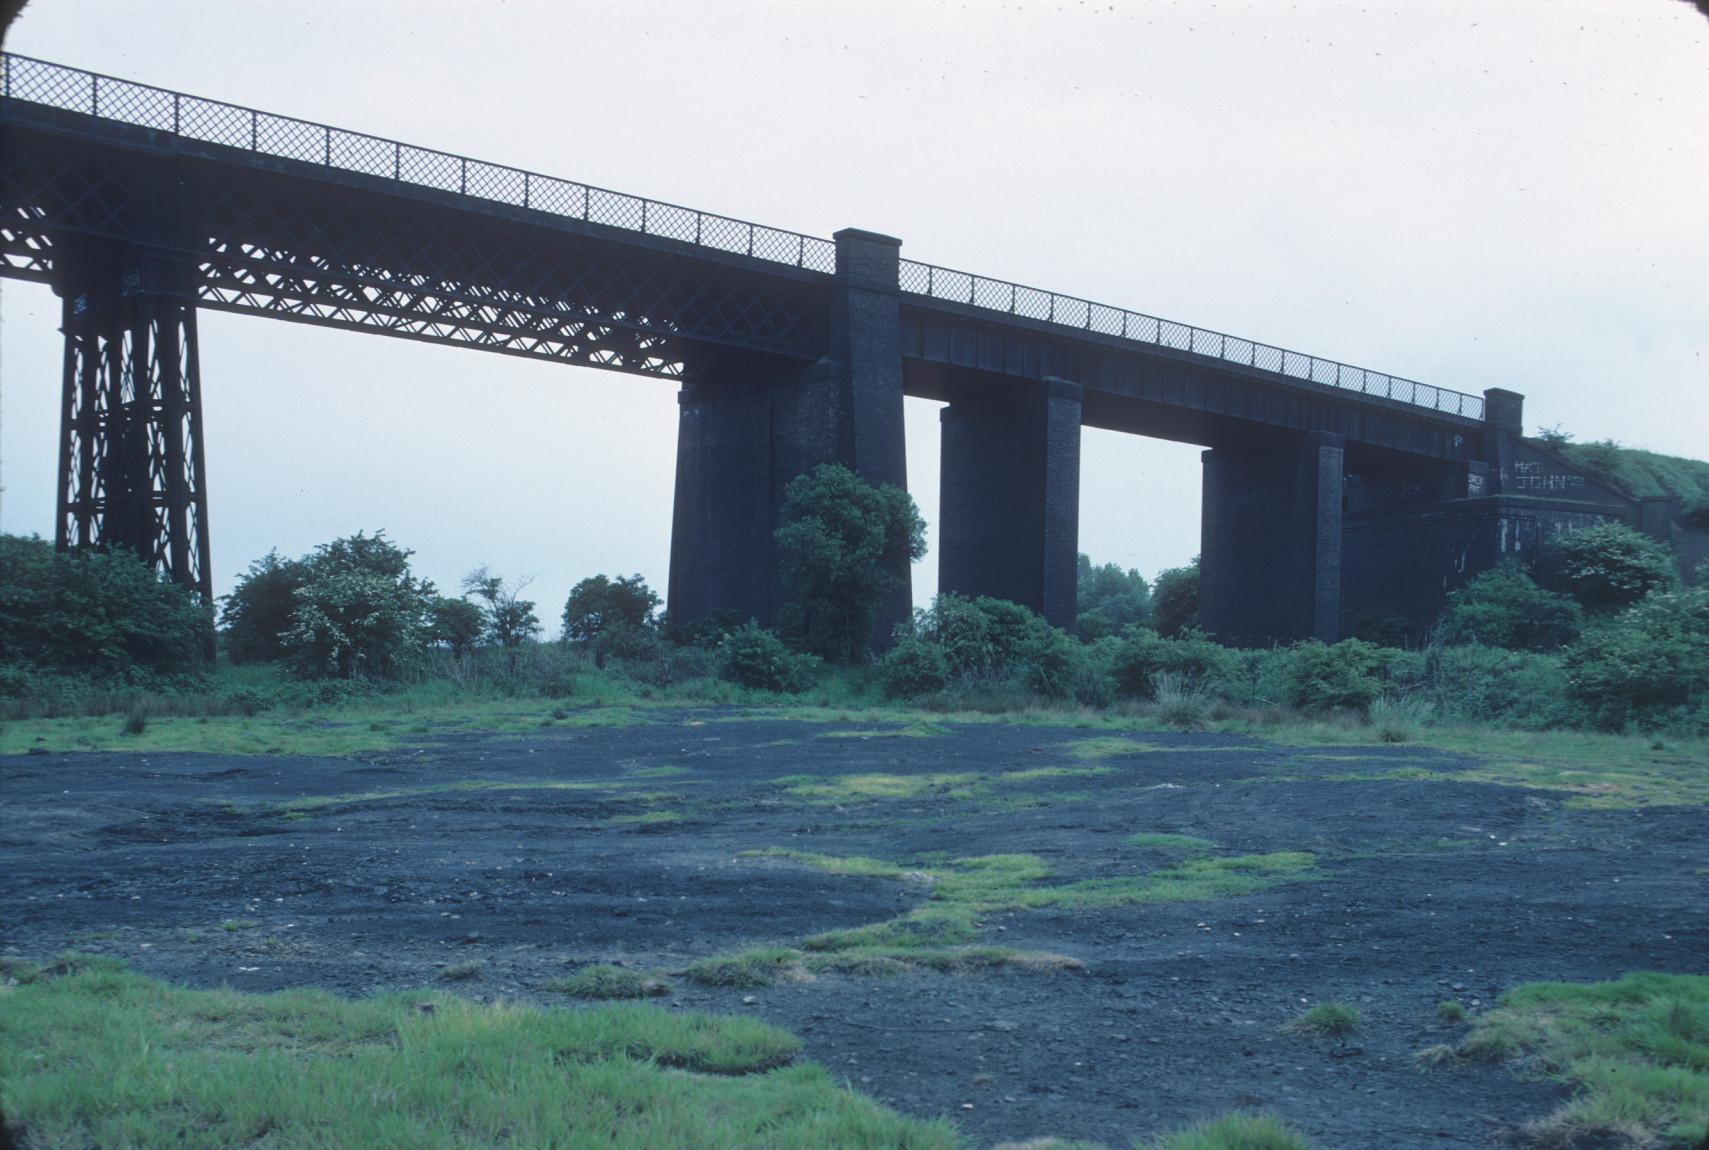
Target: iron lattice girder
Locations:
point(301, 248)
point(131, 471)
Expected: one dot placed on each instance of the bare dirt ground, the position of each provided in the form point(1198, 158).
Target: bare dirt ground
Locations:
point(625, 844)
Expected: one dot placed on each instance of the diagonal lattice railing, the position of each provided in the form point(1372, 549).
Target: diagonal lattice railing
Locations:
point(217, 122)
point(1071, 311)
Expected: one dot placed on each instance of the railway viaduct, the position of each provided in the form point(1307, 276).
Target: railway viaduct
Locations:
point(1328, 489)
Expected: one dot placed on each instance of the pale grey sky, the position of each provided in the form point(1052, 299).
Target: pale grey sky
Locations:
point(1471, 194)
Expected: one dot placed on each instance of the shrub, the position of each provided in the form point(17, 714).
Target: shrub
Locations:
point(1605, 567)
point(913, 667)
point(1398, 719)
point(1650, 660)
point(1504, 607)
point(1344, 676)
point(1474, 685)
point(751, 656)
point(1326, 1019)
point(1181, 702)
point(105, 615)
point(1142, 654)
point(257, 613)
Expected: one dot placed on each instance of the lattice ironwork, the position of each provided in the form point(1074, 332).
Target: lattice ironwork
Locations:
point(215, 122)
point(345, 262)
point(1070, 311)
point(131, 471)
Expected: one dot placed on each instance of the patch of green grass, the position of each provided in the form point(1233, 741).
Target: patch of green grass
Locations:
point(605, 981)
point(233, 925)
point(1326, 1020)
point(106, 1058)
point(465, 971)
point(1636, 1049)
point(1237, 1131)
point(20, 970)
point(1451, 1012)
point(1175, 844)
point(838, 789)
point(745, 970)
point(960, 892)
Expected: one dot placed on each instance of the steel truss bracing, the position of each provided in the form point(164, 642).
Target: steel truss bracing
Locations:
point(131, 471)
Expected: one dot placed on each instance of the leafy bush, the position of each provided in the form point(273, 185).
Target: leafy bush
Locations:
point(1175, 599)
point(1478, 685)
point(1504, 607)
point(913, 667)
point(104, 615)
point(843, 544)
point(455, 623)
point(1605, 567)
point(751, 656)
point(1142, 654)
point(1650, 660)
point(1344, 676)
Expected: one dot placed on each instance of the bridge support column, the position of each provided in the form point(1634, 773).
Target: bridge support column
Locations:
point(1009, 517)
point(1270, 568)
point(739, 442)
point(131, 468)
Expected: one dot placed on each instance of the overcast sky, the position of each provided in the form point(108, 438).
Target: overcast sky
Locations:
point(1468, 193)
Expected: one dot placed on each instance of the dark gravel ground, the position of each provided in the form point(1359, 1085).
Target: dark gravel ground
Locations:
point(1429, 891)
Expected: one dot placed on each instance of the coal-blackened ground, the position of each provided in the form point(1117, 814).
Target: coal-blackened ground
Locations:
point(538, 854)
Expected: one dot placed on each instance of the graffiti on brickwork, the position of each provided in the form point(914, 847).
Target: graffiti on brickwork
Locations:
point(1531, 475)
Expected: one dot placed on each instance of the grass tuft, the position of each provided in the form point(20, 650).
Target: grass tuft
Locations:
point(1237, 1131)
point(746, 970)
point(605, 981)
point(1326, 1020)
point(465, 971)
point(1451, 1012)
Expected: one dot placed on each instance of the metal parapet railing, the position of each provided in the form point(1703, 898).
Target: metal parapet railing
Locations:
point(232, 125)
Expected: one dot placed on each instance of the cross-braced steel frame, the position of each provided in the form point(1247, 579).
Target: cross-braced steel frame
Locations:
point(131, 470)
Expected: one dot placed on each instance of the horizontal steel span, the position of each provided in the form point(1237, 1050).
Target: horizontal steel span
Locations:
point(516, 319)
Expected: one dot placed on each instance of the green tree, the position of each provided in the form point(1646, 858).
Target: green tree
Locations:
point(257, 613)
point(597, 605)
point(360, 612)
point(841, 544)
point(1605, 567)
point(510, 619)
point(107, 615)
point(1504, 607)
point(1175, 599)
point(456, 623)
point(1109, 599)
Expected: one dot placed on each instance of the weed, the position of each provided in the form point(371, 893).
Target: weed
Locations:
point(1325, 1020)
point(136, 723)
point(1237, 1131)
point(605, 981)
point(746, 970)
point(463, 971)
point(1398, 720)
point(1435, 1057)
point(1451, 1012)
point(1179, 701)
point(233, 925)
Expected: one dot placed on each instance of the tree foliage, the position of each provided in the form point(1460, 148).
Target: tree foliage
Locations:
point(1175, 599)
point(1605, 567)
point(509, 619)
point(257, 613)
point(455, 623)
point(842, 544)
point(1109, 599)
point(751, 656)
point(1504, 607)
point(361, 612)
point(598, 604)
point(106, 615)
